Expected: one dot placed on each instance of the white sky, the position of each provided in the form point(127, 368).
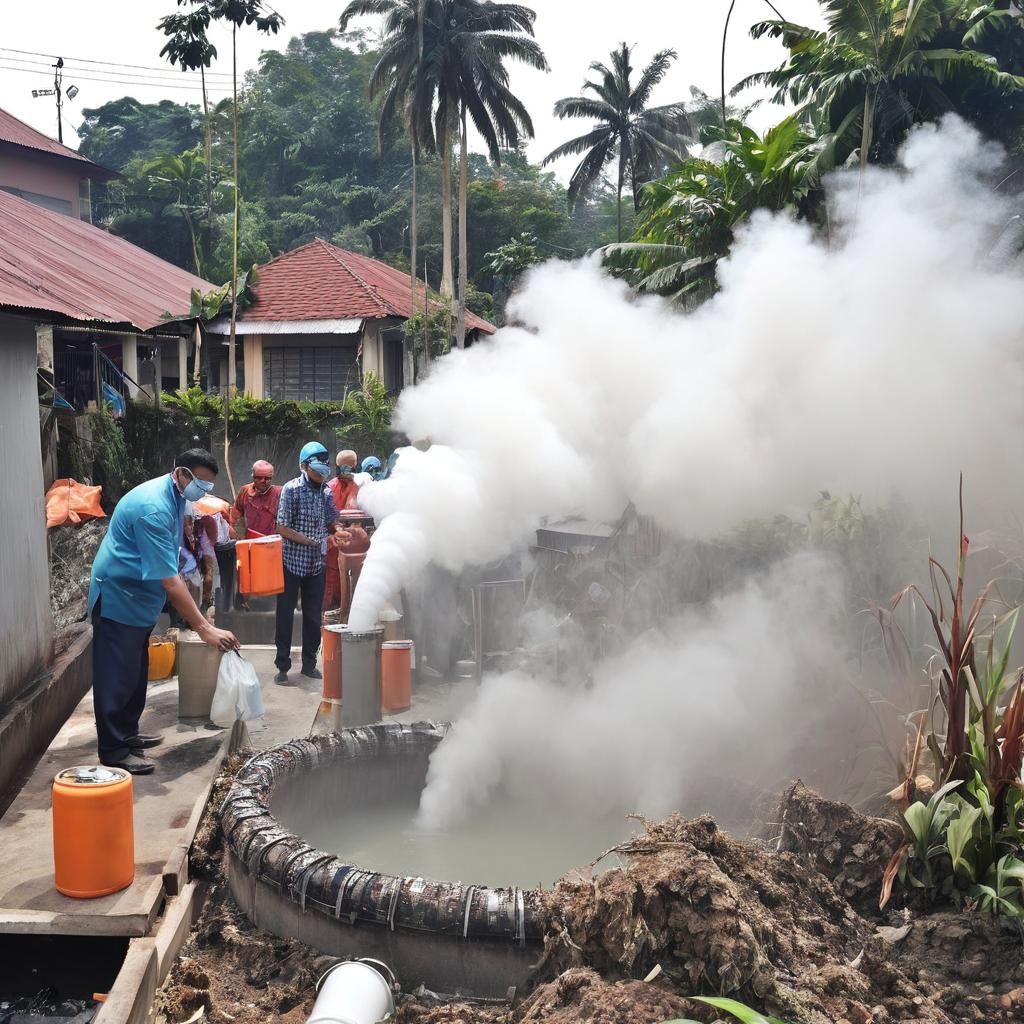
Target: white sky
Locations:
point(572, 32)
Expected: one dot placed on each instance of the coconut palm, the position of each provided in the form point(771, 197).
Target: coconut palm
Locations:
point(443, 63)
point(642, 138)
point(879, 66)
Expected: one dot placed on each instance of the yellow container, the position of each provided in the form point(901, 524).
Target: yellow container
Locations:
point(161, 659)
point(93, 832)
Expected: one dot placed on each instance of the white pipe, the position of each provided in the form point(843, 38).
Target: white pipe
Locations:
point(353, 992)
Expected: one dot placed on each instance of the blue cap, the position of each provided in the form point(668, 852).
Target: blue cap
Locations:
point(311, 449)
point(370, 462)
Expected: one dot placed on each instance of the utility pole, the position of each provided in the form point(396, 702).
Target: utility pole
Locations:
point(58, 74)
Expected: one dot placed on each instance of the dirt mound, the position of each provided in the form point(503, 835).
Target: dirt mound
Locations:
point(850, 849)
point(719, 915)
point(72, 550)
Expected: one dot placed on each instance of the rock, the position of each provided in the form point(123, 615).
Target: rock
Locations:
point(893, 935)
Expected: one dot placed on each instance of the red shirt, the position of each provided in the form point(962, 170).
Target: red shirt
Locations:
point(343, 490)
point(260, 510)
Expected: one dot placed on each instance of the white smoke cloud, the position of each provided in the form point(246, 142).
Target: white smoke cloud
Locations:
point(672, 712)
point(881, 356)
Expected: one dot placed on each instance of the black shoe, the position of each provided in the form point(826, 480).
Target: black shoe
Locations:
point(143, 741)
point(312, 673)
point(281, 677)
point(133, 764)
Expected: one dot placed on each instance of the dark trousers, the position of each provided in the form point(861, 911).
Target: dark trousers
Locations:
point(312, 590)
point(120, 670)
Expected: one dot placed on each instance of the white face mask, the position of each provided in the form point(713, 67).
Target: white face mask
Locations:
point(195, 488)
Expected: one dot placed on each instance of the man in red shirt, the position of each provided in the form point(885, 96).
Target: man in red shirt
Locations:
point(343, 490)
point(257, 502)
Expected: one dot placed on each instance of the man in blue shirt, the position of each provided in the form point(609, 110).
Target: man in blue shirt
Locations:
point(134, 574)
point(305, 516)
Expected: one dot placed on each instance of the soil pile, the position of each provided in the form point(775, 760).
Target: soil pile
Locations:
point(72, 550)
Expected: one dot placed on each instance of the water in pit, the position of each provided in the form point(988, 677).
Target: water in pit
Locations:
point(366, 814)
point(503, 844)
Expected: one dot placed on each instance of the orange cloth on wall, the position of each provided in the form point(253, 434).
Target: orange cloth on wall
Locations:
point(68, 501)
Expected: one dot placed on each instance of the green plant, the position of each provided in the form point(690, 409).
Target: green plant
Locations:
point(114, 467)
point(968, 843)
point(369, 410)
point(742, 1012)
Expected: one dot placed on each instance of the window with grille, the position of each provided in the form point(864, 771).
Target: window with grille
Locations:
point(309, 373)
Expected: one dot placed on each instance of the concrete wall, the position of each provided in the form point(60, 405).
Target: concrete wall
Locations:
point(26, 624)
point(42, 176)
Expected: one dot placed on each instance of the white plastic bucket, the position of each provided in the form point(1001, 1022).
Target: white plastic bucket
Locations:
point(353, 992)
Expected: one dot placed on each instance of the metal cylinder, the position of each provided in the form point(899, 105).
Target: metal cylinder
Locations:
point(354, 992)
point(226, 556)
point(360, 670)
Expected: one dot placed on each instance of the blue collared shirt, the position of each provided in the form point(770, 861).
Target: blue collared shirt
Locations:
point(309, 510)
point(138, 552)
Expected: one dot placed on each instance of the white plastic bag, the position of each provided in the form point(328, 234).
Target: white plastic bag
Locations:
point(238, 695)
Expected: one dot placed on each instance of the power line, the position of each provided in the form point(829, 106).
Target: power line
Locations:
point(106, 63)
point(170, 76)
point(125, 82)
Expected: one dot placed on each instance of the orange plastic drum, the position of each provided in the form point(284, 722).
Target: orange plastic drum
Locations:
point(395, 676)
point(260, 567)
point(93, 831)
point(332, 661)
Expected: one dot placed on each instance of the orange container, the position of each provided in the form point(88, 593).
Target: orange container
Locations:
point(260, 566)
point(395, 676)
point(161, 659)
point(93, 831)
point(332, 661)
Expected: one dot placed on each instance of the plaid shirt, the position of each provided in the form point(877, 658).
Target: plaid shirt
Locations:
point(309, 510)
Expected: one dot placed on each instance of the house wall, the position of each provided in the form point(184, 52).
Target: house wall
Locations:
point(26, 623)
point(349, 342)
point(41, 178)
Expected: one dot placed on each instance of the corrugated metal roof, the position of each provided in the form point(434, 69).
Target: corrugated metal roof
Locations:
point(57, 264)
point(20, 134)
point(319, 281)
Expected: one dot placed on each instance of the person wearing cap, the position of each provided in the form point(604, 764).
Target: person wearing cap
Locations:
point(344, 490)
point(370, 470)
point(306, 517)
point(134, 574)
point(257, 502)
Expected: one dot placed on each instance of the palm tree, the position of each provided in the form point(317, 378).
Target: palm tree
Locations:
point(483, 35)
point(688, 218)
point(642, 138)
point(189, 47)
point(443, 63)
point(398, 75)
point(880, 66)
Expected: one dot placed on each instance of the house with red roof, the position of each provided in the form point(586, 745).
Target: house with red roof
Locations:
point(323, 316)
point(45, 172)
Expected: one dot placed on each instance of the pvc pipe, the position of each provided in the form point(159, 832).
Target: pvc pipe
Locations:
point(354, 992)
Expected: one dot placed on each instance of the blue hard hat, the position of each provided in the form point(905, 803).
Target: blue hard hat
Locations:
point(310, 450)
point(370, 462)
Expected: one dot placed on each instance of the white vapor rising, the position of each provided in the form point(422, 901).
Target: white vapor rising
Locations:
point(886, 358)
point(700, 697)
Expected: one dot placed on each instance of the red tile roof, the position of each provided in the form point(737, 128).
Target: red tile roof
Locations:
point(319, 281)
point(17, 133)
point(57, 264)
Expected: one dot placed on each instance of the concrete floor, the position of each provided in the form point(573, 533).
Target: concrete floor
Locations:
point(167, 803)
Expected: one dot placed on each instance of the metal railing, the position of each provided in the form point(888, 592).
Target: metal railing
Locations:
point(84, 376)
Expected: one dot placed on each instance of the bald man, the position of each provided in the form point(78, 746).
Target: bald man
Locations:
point(257, 502)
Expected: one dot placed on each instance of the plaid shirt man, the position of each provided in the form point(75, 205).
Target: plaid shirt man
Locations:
point(308, 509)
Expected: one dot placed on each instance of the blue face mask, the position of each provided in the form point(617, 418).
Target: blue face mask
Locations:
point(196, 489)
point(345, 471)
